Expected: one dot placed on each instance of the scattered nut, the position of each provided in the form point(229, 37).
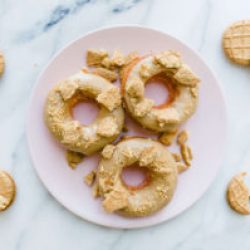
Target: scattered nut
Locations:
point(177, 157)
point(190, 153)
point(167, 138)
point(185, 153)
point(182, 137)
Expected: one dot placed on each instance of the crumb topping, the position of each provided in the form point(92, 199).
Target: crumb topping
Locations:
point(145, 71)
point(129, 153)
point(115, 200)
point(110, 98)
point(107, 127)
point(106, 73)
point(108, 151)
point(67, 89)
point(135, 87)
point(186, 77)
point(118, 58)
point(168, 59)
point(71, 133)
point(143, 107)
point(148, 156)
point(169, 115)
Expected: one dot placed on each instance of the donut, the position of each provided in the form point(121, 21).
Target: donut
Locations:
point(74, 136)
point(180, 82)
point(153, 193)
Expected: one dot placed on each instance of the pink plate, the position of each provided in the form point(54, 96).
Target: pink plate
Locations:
point(209, 123)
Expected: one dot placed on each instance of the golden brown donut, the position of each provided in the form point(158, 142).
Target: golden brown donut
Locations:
point(151, 195)
point(178, 78)
point(69, 132)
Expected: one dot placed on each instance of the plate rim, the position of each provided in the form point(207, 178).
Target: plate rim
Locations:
point(29, 111)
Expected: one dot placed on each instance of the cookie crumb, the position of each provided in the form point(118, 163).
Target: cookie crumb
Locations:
point(90, 178)
point(105, 73)
point(108, 151)
point(170, 60)
point(143, 107)
point(148, 156)
point(96, 56)
point(74, 158)
point(145, 71)
point(181, 167)
point(118, 58)
point(186, 77)
point(135, 87)
point(115, 200)
point(167, 116)
point(107, 127)
point(95, 191)
point(110, 98)
point(108, 63)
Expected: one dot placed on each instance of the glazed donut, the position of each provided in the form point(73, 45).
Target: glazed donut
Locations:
point(178, 78)
point(156, 190)
point(81, 87)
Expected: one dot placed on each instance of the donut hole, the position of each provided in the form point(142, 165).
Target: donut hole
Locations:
point(135, 177)
point(160, 89)
point(85, 111)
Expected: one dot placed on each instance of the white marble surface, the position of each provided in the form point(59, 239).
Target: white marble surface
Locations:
point(30, 33)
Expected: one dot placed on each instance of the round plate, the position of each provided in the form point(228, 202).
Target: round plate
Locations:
point(208, 123)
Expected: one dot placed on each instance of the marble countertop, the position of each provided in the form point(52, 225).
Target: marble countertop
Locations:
point(31, 32)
